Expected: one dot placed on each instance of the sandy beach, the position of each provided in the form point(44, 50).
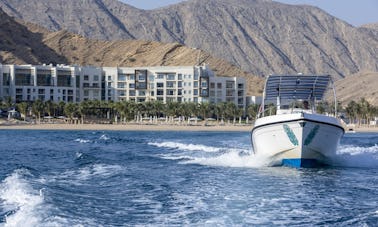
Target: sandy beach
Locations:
point(126, 127)
point(143, 127)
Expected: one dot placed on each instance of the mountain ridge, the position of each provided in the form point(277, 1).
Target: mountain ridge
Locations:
point(261, 37)
point(27, 43)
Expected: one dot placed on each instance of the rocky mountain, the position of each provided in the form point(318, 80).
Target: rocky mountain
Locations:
point(260, 36)
point(357, 86)
point(26, 43)
point(19, 45)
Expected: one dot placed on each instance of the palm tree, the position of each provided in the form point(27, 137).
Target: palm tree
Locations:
point(231, 111)
point(352, 110)
point(60, 107)
point(38, 108)
point(70, 110)
point(253, 110)
point(172, 109)
point(23, 107)
point(364, 109)
point(220, 111)
point(50, 107)
point(204, 109)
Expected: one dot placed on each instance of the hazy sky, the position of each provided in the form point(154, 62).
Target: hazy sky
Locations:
point(355, 12)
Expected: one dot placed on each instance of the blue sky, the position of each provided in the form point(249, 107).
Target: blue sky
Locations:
point(355, 12)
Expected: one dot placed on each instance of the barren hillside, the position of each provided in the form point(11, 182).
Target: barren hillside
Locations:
point(355, 87)
point(260, 36)
point(25, 43)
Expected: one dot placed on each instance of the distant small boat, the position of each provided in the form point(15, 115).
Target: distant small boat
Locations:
point(295, 135)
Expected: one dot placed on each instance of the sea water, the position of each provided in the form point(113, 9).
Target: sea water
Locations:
point(121, 178)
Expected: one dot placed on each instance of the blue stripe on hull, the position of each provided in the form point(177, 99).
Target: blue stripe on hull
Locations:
point(301, 162)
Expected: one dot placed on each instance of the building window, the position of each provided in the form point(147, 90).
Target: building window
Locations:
point(195, 84)
point(195, 92)
point(170, 84)
point(132, 93)
point(86, 77)
point(171, 77)
point(95, 78)
point(121, 84)
point(160, 76)
point(122, 77)
point(159, 84)
point(131, 85)
point(219, 85)
point(160, 92)
point(179, 76)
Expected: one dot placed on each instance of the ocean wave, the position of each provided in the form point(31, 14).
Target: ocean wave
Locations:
point(186, 147)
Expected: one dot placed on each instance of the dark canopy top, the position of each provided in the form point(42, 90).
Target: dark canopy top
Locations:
point(292, 87)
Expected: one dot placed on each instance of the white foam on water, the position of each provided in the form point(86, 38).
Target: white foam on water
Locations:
point(186, 147)
point(212, 156)
point(25, 205)
point(82, 140)
point(89, 172)
point(232, 158)
point(354, 156)
point(104, 137)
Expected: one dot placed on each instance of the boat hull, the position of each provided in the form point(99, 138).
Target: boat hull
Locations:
point(297, 140)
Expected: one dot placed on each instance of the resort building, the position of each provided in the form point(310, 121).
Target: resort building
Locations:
point(78, 83)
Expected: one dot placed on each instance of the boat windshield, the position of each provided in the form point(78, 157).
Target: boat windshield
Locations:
point(295, 93)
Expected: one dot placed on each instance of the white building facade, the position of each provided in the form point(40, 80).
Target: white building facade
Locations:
point(78, 83)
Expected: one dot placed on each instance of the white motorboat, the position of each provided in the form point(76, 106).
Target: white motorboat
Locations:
point(295, 135)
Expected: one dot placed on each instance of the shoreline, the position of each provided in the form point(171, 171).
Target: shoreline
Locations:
point(127, 127)
point(144, 127)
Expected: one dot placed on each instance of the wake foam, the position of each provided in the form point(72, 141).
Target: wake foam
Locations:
point(354, 156)
point(23, 205)
point(104, 137)
point(212, 156)
point(231, 158)
point(82, 140)
point(84, 174)
point(239, 156)
point(186, 147)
